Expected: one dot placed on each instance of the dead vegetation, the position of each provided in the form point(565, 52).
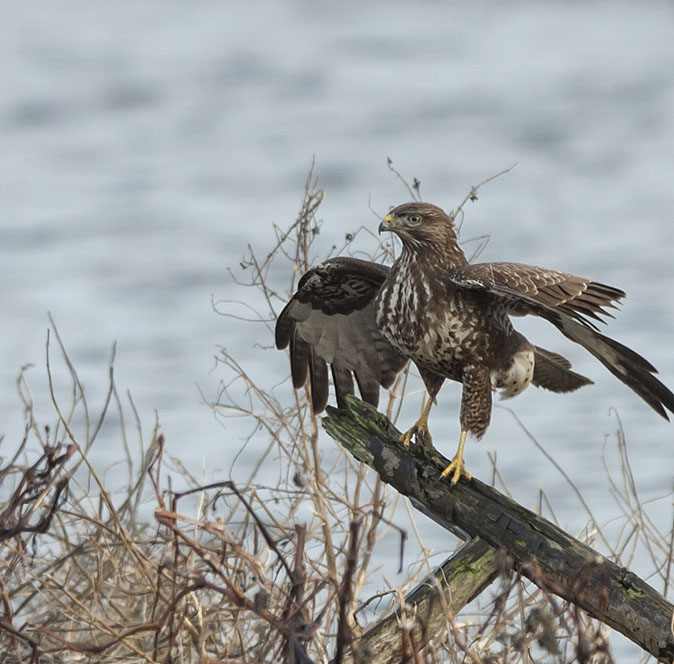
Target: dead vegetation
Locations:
point(253, 570)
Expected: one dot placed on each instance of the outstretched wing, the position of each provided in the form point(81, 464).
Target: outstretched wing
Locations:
point(571, 304)
point(520, 285)
point(331, 320)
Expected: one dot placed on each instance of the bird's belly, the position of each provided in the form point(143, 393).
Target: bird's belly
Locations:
point(449, 342)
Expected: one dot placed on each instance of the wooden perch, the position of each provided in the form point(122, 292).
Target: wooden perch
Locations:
point(459, 580)
point(541, 551)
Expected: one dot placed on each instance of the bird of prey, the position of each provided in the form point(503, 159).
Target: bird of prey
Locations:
point(452, 319)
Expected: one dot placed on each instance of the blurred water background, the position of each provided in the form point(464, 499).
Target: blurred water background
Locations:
point(145, 145)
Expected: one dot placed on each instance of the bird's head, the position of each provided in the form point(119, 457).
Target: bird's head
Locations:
point(420, 225)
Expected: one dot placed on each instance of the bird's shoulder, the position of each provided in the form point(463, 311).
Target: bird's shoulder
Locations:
point(341, 284)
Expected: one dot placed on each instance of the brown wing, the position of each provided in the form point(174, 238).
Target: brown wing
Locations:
point(568, 302)
point(579, 298)
point(331, 320)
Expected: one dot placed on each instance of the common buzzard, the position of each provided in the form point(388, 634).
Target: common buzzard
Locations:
point(452, 319)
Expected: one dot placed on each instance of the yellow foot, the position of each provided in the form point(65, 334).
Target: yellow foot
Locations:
point(419, 431)
point(456, 467)
point(457, 470)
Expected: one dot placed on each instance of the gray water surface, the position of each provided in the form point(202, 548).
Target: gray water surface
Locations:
point(145, 145)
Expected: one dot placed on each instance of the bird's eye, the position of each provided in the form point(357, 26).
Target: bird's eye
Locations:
point(414, 219)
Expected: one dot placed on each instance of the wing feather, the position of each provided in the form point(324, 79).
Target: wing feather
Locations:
point(342, 379)
point(318, 374)
point(581, 299)
point(299, 361)
point(331, 320)
point(569, 315)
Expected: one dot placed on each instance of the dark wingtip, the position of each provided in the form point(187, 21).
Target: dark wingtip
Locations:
point(318, 371)
point(299, 362)
point(281, 337)
point(343, 382)
point(284, 328)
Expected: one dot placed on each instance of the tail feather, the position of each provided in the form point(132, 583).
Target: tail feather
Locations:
point(626, 365)
point(553, 372)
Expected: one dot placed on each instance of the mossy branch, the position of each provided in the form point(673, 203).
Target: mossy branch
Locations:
point(542, 552)
point(424, 614)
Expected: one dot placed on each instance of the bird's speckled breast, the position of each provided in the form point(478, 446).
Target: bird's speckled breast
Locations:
point(433, 327)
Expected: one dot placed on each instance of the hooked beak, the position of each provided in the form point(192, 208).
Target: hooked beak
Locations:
point(386, 224)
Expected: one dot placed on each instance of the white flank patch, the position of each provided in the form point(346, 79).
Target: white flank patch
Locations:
point(517, 376)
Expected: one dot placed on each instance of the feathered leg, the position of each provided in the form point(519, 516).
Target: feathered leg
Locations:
point(475, 416)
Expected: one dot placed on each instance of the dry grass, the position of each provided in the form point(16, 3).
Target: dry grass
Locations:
point(242, 571)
